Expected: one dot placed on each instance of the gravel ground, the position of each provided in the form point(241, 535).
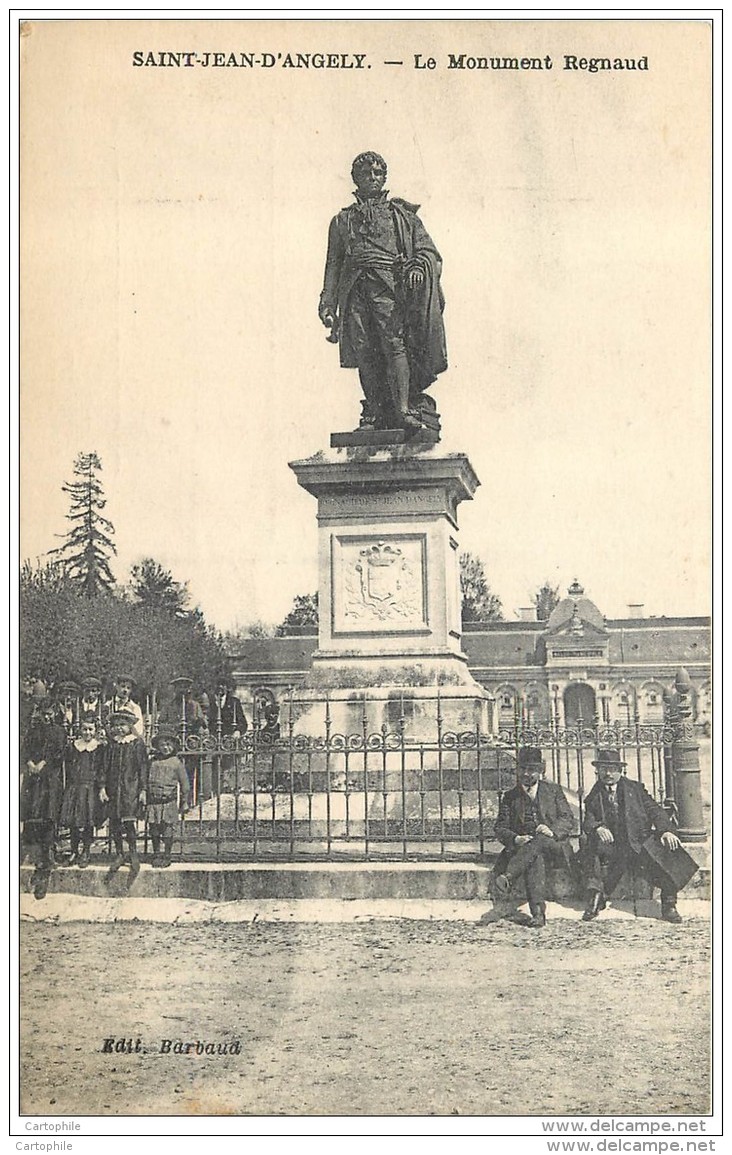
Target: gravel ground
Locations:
point(384, 1018)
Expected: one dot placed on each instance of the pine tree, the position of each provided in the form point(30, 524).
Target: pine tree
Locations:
point(88, 545)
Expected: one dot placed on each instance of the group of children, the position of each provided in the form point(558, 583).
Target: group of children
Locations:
point(104, 773)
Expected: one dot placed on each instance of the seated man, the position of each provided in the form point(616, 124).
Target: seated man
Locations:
point(620, 816)
point(534, 823)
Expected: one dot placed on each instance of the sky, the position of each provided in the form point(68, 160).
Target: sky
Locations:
point(173, 229)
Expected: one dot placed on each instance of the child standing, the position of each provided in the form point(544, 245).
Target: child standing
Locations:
point(80, 805)
point(124, 785)
point(90, 706)
point(167, 792)
point(40, 796)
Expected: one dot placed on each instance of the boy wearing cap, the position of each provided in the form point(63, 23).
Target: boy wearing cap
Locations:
point(183, 707)
point(124, 787)
point(90, 706)
point(183, 711)
point(620, 816)
point(166, 793)
point(122, 700)
point(67, 708)
point(534, 823)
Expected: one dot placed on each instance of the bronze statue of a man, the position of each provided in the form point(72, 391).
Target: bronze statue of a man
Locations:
point(383, 302)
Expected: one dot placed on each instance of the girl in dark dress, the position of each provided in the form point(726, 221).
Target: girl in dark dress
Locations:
point(80, 806)
point(124, 787)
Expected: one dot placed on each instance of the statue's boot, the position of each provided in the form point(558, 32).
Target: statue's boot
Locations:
point(370, 408)
point(398, 378)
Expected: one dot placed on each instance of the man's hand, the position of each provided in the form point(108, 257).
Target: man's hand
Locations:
point(542, 829)
point(604, 834)
point(103, 796)
point(415, 278)
point(236, 734)
point(521, 839)
point(670, 840)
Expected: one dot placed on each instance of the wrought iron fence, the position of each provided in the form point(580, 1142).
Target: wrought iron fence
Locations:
point(387, 792)
point(400, 790)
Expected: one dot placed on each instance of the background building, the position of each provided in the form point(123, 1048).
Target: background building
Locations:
point(578, 664)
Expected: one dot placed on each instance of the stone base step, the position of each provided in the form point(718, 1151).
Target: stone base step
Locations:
point(226, 882)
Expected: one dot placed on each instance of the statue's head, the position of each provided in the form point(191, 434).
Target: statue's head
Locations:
point(369, 173)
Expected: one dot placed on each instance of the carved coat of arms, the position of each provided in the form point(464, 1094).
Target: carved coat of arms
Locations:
point(380, 584)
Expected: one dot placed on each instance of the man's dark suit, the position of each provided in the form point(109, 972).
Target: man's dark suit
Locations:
point(518, 815)
point(231, 715)
point(632, 820)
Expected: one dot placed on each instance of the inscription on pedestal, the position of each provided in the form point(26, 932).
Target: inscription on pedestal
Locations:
point(408, 501)
point(379, 584)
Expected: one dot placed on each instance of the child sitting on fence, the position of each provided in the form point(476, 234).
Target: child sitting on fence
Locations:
point(80, 809)
point(166, 795)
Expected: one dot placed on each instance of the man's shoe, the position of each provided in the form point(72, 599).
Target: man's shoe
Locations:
point(83, 859)
point(502, 886)
point(134, 865)
point(157, 860)
point(538, 917)
point(597, 903)
point(669, 913)
point(166, 860)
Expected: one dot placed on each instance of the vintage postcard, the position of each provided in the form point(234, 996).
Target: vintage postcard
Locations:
point(366, 554)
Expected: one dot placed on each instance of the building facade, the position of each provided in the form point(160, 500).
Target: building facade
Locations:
point(576, 666)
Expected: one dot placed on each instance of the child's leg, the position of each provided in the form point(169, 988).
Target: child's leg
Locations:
point(168, 842)
point(74, 838)
point(46, 861)
point(87, 836)
point(131, 836)
point(154, 830)
point(115, 829)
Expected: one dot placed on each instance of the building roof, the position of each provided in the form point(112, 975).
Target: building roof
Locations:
point(575, 605)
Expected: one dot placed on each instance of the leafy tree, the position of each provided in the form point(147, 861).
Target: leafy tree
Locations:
point(304, 613)
point(65, 634)
point(153, 586)
point(88, 545)
point(260, 629)
point(545, 600)
point(233, 638)
point(479, 603)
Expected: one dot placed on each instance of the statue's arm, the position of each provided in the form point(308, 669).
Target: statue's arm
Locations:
point(333, 266)
point(424, 251)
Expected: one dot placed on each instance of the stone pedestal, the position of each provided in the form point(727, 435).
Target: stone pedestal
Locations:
point(389, 590)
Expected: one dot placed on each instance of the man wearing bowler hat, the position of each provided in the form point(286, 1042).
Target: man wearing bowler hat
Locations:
point(620, 816)
point(534, 823)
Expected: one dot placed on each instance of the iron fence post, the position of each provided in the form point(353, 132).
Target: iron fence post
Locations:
point(685, 762)
point(669, 717)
